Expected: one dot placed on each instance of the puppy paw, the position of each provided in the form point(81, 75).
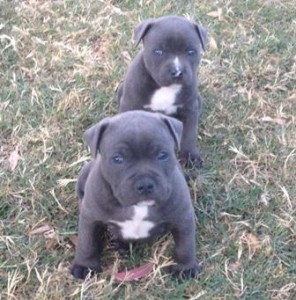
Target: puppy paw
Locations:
point(190, 160)
point(80, 272)
point(122, 248)
point(183, 272)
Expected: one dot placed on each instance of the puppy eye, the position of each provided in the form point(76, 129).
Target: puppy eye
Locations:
point(118, 159)
point(158, 52)
point(162, 156)
point(191, 52)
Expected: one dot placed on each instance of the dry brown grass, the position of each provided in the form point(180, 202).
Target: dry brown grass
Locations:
point(60, 64)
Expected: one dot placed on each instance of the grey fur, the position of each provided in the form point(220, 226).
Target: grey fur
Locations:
point(109, 188)
point(150, 70)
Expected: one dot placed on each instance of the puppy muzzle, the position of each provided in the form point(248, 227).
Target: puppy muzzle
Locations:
point(144, 186)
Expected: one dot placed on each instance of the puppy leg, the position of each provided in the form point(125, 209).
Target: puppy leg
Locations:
point(122, 247)
point(119, 94)
point(88, 248)
point(82, 180)
point(189, 152)
point(187, 265)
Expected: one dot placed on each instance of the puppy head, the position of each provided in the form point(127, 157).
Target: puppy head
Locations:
point(137, 157)
point(172, 48)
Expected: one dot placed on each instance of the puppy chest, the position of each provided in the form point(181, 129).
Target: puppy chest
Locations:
point(164, 99)
point(137, 227)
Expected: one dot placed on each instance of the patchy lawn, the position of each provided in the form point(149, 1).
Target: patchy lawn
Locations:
point(60, 65)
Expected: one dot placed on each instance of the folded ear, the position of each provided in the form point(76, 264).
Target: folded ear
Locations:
point(175, 128)
point(141, 30)
point(94, 134)
point(202, 34)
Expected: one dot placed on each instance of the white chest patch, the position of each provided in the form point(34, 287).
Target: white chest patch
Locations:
point(137, 227)
point(163, 99)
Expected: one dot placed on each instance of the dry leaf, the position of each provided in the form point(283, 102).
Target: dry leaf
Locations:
point(264, 199)
point(279, 121)
point(73, 239)
point(274, 58)
point(126, 56)
point(136, 273)
point(50, 234)
point(40, 230)
point(252, 242)
point(234, 267)
point(65, 182)
point(216, 14)
point(51, 244)
point(52, 239)
point(292, 96)
point(213, 43)
point(99, 50)
point(13, 159)
point(4, 104)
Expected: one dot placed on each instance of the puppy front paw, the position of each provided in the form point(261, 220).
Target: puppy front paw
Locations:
point(190, 159)
point(80, 272)
point(186, 271)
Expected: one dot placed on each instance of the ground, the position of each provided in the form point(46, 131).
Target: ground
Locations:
point(60, 65)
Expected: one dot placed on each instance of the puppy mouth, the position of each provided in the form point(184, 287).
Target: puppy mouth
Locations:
point(146, 203)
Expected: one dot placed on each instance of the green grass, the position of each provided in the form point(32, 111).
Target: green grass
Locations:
point(60, 65)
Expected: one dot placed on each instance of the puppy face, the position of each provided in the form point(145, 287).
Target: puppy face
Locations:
point(172, 49)
point(137, 155)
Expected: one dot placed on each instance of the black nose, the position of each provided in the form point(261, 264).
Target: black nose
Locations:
point(176, 73)
point(145, 186)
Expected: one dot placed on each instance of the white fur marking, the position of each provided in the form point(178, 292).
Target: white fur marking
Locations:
point(177, 62)
point(137, 227)
point(163, 99)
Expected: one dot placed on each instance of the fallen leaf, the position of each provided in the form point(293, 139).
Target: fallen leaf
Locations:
point(252, 242)
point(264, 199)
point(99, 50)
point(238, 293)
point(126, 56)
point(65, 182)
point(13, 159)
point(50, 234)
point(280, 121)
point(213, 43)
point(135, 274)
point(274, 58)
point(51, 244)
point(292, 96)
point(234, 267)
point(216, 14)
point(40, 230)
point(5, 104)
point(73, 239)
point(51, 239)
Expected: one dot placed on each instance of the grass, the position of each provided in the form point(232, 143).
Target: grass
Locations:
point(60, 65)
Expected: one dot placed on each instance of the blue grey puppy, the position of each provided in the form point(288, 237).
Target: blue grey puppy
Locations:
point(135, 187)
point(162, 77)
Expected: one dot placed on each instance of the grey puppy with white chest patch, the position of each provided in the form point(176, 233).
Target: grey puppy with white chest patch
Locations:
point(162, 77)
point(134, 186)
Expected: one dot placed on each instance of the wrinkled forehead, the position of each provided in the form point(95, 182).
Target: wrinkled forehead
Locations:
point(136, 137)
point(175, 32)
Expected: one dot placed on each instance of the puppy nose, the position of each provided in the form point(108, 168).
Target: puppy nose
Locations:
point(145, 186)
point(176, 72)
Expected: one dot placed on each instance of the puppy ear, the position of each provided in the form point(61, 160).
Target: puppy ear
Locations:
point(94, 134)
point(141, 30)
point(202, 34)
point(175, 128)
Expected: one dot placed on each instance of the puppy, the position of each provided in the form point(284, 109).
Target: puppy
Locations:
point(162, 77)
point(135, 188)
